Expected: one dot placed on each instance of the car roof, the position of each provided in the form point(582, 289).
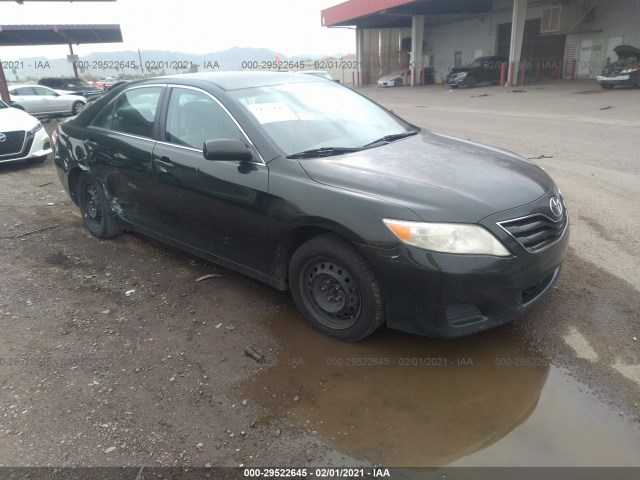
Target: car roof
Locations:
point(240, 80)
point(22, 85)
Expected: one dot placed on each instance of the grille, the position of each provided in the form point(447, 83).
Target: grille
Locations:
point(12, 143)
point(536, 232)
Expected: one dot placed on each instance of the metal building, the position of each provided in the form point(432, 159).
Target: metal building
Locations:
point(551, 38)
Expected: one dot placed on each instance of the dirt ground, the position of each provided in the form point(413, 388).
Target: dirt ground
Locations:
point(112, 353)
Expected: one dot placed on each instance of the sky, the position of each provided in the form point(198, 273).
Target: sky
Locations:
point(291, 27)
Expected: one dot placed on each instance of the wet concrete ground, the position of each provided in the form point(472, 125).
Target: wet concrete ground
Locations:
point(401, 400)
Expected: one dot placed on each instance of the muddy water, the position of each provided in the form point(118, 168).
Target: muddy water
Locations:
point(401, 400)
point(398, 399)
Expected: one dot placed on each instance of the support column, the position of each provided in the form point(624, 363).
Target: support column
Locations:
point(75, 67)
point(415, 60)
point(517, 33)
point(359, 55)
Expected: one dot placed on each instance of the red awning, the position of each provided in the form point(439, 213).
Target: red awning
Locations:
point(342, 13)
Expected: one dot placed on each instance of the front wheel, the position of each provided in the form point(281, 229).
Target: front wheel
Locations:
point(335, 289)
point(96, 212)
point(471, 82)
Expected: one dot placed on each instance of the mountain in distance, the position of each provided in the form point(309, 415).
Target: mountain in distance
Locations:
point(126, 63)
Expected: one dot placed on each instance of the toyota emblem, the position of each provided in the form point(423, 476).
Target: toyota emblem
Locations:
point(556, 207)
point(3, 137)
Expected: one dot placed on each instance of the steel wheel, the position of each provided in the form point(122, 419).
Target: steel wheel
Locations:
point(96, 211)
point(335, 288)
point(332, 293)
point(93, 209)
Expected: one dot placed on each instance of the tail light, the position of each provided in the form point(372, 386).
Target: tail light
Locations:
point(55, 136)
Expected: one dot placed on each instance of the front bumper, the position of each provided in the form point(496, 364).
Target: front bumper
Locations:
point(34, 146)
point(617, 80)
point(388, 83)
point(447, 295)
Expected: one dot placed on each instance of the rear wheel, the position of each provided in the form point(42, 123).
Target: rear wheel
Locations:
point(96, 212)
point(77, 107)
point(335, 289)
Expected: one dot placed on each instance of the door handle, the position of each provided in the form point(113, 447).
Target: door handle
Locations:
point(90, 143)
point(163, 162)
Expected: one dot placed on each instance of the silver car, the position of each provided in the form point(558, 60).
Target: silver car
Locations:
point(44, 102)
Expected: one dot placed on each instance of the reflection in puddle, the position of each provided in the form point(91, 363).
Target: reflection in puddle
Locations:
point(397, 399)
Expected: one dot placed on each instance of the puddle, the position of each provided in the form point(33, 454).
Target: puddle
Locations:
point(401, 400)
point(397, 399)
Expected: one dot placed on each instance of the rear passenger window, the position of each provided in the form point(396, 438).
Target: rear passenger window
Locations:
point(134, 112)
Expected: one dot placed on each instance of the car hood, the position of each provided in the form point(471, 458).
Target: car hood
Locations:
point(440, 178)
point(391, 76)
point(15, 119)
point(625, 51)
point(461, 69)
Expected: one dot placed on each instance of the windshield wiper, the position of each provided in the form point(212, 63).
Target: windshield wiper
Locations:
point(390, 138)
point(324, 152)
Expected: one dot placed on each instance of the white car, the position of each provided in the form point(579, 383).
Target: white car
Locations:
point(22, 137)
point(44, 102)
point(394, 79)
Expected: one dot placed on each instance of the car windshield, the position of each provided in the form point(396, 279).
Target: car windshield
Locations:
point(302, 117)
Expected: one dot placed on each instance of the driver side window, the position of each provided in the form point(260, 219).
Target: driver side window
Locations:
point(194, 117)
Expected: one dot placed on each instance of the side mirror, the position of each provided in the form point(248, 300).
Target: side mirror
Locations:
point(336, 80)
point(226, 149)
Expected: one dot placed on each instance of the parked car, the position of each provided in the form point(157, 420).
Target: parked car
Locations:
point(624, 71)
point(481, 70)
point(72, 86)
point(44, 102)
point(308, 186)
point(22, 137)
point(394, 79)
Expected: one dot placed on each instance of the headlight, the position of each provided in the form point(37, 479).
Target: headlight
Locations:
point(462, 74)
point(36, 128)
point(458, 238)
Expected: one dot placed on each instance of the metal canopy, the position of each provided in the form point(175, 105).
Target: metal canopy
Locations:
point(395, 13)
point(34, 35)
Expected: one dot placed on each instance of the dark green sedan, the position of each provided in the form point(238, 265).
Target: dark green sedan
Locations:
point(309, 186)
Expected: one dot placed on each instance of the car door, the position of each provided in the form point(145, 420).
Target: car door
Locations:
point(118, 145)
point(50, 101)
point(27, 99)
point(218, 207)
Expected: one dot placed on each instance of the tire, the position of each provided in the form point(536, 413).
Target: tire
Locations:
point(352, 308)
point(398, 82)
point(97, 214)
point(77, 107)
point(471, 81)
point(607, 86)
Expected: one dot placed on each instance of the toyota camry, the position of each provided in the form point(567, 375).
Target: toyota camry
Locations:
point(310, 187)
